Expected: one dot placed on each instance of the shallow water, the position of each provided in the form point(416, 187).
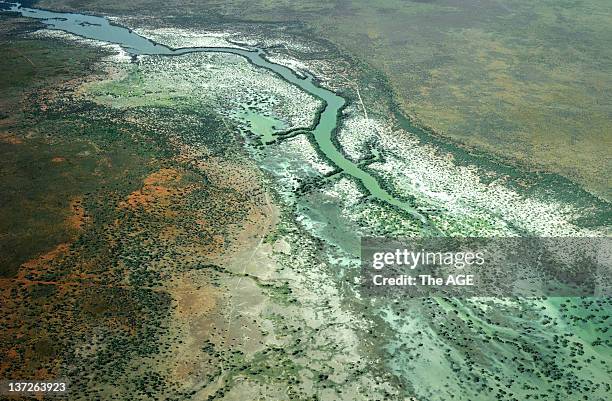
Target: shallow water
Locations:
point(99, 28)
point(419, 358)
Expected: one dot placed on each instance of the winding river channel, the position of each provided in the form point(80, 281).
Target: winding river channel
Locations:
point(101, 29)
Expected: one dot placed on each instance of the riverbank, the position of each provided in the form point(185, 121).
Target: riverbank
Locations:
point(173, 284)
point(301, 273)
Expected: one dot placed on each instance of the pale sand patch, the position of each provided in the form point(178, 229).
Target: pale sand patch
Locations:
point(10, 139)
point(158, 189)
point(77, 218)
point(44, 259)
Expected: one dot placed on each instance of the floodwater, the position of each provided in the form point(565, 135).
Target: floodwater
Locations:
point(99, 28)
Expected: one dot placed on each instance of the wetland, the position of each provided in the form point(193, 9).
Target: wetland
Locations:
point(99, 28)
point(215, 183)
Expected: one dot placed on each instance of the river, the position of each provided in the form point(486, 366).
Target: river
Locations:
point(101, 29)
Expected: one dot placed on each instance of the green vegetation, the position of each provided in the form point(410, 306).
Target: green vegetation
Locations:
point(529, 81)
point(145, 240)
point(97, 212)
point(38, 181)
